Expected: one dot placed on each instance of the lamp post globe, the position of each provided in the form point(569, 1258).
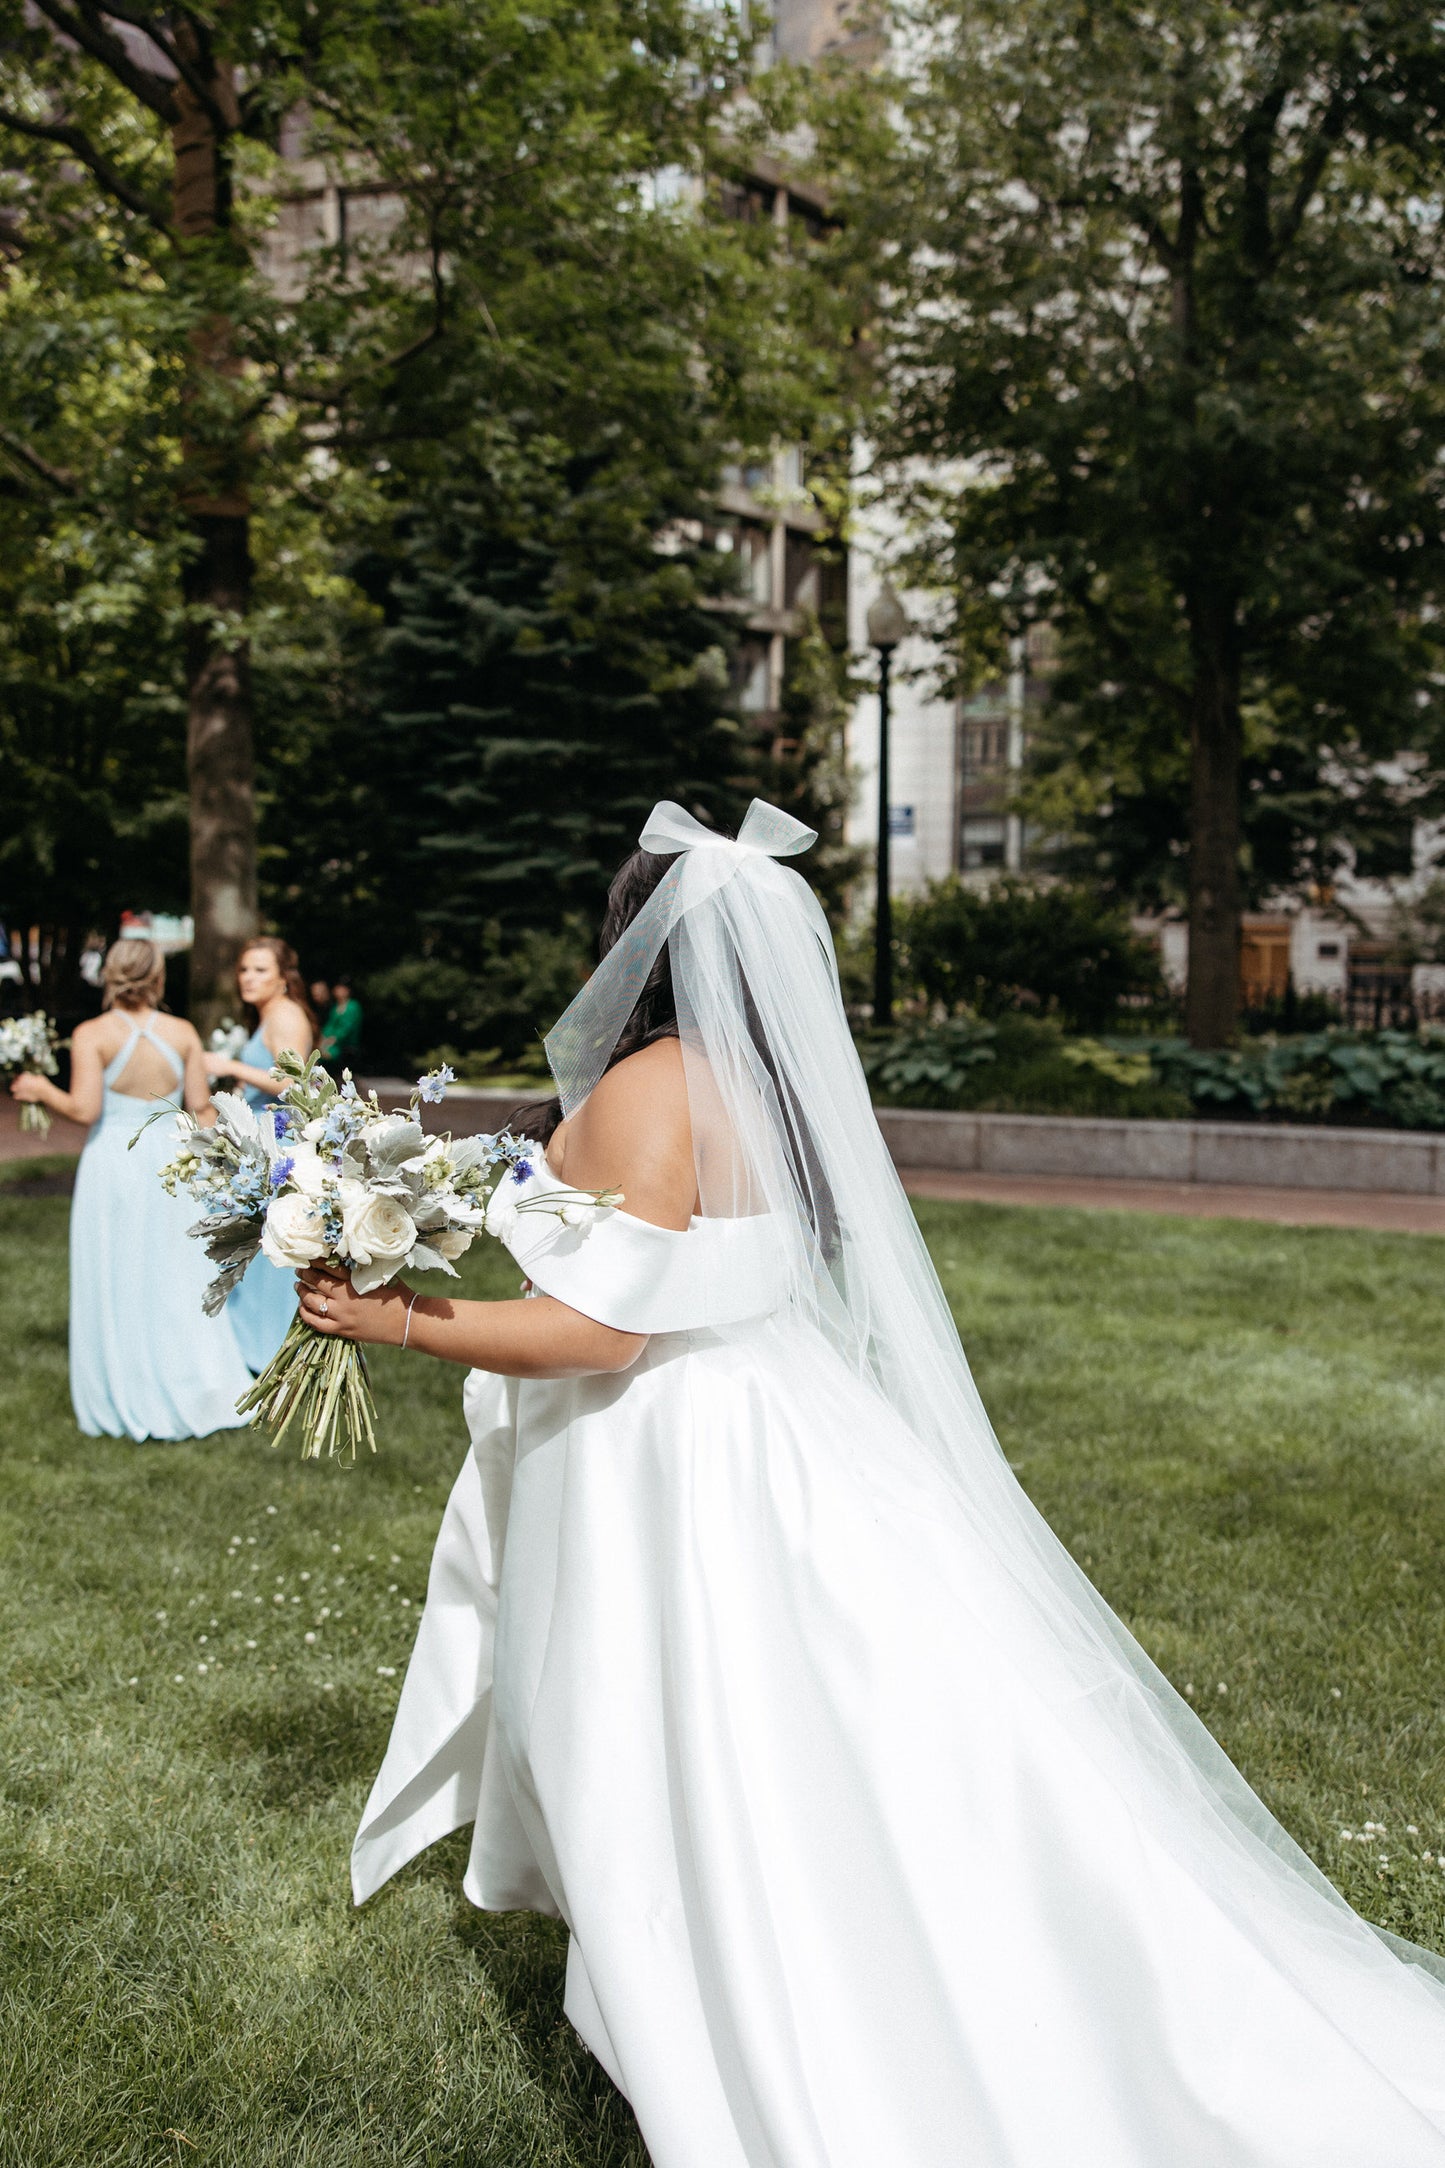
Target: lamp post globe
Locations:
point(887, 624)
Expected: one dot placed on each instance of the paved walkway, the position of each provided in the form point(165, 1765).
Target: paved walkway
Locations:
point(64, 1136)
point(1386, 1210)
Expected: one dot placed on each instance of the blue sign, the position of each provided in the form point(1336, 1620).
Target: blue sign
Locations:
point(901, 821)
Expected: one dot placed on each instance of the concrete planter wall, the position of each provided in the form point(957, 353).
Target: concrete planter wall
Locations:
point(1263, 1155)
point(1266, 1155)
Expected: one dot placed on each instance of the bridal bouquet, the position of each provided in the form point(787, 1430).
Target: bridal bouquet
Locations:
point(29, 1042)
point(229, 1038)
point(326, 1176)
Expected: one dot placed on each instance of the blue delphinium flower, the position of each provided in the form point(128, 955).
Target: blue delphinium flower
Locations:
point(433, 1086)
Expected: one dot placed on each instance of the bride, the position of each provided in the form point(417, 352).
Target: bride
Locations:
point(880, 1842)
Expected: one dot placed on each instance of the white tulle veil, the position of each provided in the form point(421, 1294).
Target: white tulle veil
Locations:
point(783, 1125)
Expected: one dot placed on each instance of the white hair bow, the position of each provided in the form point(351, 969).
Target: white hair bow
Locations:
point(580, 1043)
point(766, 828)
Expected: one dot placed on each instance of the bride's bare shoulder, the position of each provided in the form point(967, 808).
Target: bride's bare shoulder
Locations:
point(634, 1133)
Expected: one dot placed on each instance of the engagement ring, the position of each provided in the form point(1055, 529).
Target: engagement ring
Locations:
point(322, 1306)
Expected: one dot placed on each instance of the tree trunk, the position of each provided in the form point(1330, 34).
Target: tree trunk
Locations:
point(219, 733)
point(219, 766)
point(1211, 1005)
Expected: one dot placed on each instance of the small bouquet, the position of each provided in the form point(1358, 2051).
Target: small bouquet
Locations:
point(228, 1038)
point(325, 1176)
point(29, 1042)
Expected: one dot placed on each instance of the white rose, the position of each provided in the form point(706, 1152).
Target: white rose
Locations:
point(450, 1242)
point(294, 1234)
point(375, 1230)
point(309, 1171)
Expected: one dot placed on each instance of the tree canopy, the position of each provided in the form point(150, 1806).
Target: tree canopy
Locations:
point(343, 287)
point(1165, 296)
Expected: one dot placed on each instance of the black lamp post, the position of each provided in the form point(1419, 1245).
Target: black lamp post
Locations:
point(887, 624)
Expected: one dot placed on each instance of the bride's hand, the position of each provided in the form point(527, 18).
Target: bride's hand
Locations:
point(331, 1305)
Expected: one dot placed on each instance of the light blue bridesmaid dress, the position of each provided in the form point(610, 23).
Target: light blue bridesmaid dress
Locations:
point(145, 1360)
point(265, 1302)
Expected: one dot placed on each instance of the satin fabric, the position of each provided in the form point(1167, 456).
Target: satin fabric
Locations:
point(145, 1360)
point(723, 1675)
point(262, 1307)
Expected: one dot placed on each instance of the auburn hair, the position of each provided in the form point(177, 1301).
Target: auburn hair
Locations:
point(290, 970)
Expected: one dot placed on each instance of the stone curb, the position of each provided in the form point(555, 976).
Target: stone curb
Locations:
point(1247, 1154)
point(1250, 1154)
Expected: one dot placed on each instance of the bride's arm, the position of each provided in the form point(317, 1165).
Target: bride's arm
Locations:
point(536, 1338)
point(632, 1134)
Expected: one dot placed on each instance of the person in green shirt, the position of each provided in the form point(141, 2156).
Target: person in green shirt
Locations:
point(341, 1033)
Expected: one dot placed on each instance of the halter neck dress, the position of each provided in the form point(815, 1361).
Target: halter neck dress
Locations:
point(726, 1677)
point(264, 1304)
point(145, 1360)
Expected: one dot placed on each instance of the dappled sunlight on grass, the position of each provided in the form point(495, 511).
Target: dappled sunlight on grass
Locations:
point(1235, 1428)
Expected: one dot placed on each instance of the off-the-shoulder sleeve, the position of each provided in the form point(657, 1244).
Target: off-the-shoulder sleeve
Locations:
point(635, 1277)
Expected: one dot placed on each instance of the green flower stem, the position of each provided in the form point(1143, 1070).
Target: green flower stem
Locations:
point(324, 1383)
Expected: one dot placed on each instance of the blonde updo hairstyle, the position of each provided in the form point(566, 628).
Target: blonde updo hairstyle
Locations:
point(134, 973)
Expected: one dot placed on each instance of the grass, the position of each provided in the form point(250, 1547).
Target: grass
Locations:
point(1236, 1427)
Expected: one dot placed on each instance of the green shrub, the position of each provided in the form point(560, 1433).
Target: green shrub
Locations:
point(1053, 951)
point(490, 1017)
point(1018, 1065)
point(1393, 1078)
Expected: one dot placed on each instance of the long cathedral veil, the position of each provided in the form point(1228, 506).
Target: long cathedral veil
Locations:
point(783, 1126)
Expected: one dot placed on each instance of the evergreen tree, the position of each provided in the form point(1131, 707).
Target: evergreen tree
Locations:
point(531, 716)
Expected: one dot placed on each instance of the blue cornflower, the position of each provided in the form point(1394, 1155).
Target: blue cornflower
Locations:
point(281, 1171)
point(523, 1171)
point(433, 1086)
point(280, 1122)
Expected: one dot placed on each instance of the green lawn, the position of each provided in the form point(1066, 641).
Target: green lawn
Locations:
point(1236, 1427)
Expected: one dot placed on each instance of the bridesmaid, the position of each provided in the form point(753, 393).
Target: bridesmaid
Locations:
point(145, 1360)
point(274, 995)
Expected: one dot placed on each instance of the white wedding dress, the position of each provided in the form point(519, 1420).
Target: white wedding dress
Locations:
point(879, 1843)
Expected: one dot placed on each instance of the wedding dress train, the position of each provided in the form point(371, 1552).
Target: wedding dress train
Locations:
point(880, 1842)
point(725, 1679)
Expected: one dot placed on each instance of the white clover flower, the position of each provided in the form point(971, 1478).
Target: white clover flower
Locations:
point(308, 1638)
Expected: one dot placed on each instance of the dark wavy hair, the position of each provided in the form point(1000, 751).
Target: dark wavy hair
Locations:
point(654, 1013)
